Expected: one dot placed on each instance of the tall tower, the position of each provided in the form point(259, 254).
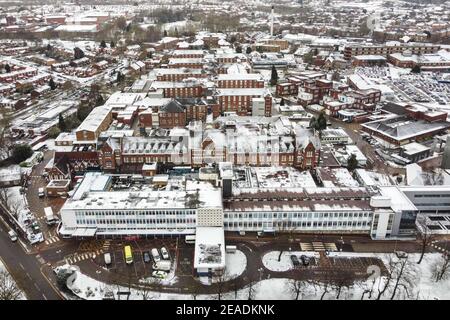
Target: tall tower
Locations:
point(271, 23)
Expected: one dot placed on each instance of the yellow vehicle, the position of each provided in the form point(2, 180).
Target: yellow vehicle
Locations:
point(128, 255)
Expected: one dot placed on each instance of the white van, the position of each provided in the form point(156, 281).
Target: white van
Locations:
point(41, 192)
point(49, 216)
point(155, 255)
point(12, 235)
point(107, 257)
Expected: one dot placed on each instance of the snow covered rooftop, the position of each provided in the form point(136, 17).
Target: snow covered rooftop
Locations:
point(399, 201)
point(209, 248)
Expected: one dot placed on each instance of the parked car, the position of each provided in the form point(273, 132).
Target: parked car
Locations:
point(155, 255)
point(146, 256)
point(305, 260)
point(12, 235)
point(107, 257)
point(159, 274)
point(165, 253)
point(295, 261)
point(41, 192)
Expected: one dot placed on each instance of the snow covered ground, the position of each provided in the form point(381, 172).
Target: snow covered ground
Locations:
point(18, 204)
point(235, 264)
point(281, 289)
point(270, 259)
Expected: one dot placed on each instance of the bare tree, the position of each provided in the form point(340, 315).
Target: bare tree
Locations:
point(441, 269)
point(295, 287)
point(5, 124)
point(4, 197)
point(251, 289)
point(8, 287)
point(426, 237)
point(404, 278)
point(387, 280)
point(367, 287)
point(151, 290)
point(342, 280)
point(196, 289)
point(400, 277)
point(220, 282)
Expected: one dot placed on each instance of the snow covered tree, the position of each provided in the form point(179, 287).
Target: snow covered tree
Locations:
point(112, 44)
point(103, 44)
point(400, 277)
point(441, 269)
point(248, 50)
point(53, 132)
point(9, 290)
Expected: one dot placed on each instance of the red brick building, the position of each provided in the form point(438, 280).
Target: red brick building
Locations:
point(245, 80)
point(172, 115)
point(239, 100)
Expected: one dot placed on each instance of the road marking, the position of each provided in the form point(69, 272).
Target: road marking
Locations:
point(20, 264)
point(44, 296)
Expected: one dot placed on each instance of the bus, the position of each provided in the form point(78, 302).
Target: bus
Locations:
point(128, 255)
point(190, 239)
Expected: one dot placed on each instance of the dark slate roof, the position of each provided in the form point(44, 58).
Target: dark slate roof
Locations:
point(173, 107)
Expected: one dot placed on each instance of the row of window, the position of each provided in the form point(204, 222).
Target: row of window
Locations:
point(134, 213)
point(431, 195)
point(296, 224)
point(290, 215)
point(136, 221)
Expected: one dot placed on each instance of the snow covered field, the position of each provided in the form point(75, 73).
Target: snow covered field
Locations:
point(235, 264)
point(270, 259)
point(424, 286)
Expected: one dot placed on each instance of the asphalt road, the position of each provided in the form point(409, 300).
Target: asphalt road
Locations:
point(26, 269)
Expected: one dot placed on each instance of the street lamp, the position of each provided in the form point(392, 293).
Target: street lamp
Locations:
point(260, 270)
